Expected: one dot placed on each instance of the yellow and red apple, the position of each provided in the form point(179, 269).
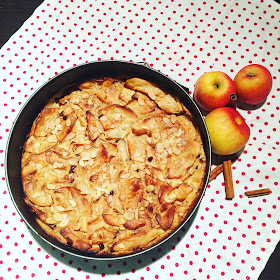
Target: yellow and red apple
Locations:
point(228, 130)
point(213, 89)
point(253, 84)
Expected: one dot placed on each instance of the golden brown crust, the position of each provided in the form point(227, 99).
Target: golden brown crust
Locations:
point(114, 167)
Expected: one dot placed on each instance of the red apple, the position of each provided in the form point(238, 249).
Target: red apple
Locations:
point(253, 84)
point(228, 130)
point(212, 90)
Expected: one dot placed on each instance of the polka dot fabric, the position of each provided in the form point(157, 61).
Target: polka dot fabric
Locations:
point(183, 39)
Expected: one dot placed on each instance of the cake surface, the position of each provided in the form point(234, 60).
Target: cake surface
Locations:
point(113, 167)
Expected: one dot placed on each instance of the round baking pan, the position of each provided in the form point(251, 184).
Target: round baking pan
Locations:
point(68, 80)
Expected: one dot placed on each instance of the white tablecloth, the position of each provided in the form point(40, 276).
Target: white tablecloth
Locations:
point(183, 39)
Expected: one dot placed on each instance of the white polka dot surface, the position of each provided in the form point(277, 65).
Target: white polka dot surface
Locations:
point(183, 39)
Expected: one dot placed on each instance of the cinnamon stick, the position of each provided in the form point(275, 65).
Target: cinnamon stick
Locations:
point(217, 171)
point(256, 193)
point(228, 179)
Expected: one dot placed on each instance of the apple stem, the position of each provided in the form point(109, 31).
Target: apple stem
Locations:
point(217, 85)
point(232, 101)
point(250, 75)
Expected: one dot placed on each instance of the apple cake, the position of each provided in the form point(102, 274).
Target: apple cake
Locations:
point(113, 167)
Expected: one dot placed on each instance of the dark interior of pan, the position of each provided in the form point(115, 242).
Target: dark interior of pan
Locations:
point(116, 69)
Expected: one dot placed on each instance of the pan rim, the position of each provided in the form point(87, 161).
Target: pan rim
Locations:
point(88, 255)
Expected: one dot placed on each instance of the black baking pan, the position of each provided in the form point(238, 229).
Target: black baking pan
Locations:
point(67, 80)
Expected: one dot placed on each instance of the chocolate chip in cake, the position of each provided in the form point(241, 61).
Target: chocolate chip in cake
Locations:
point(72, 168)
point(150, 209)
point(150, 159)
